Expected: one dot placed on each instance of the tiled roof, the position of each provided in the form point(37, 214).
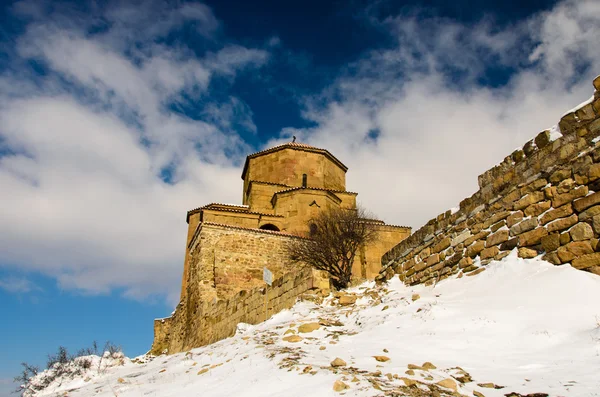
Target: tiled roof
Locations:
point(297, 146)
point(216, 207)
point(313, 188)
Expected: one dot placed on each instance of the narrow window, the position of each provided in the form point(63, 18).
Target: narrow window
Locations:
point(304, 178)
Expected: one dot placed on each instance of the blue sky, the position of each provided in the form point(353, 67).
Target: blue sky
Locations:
point(116, 117)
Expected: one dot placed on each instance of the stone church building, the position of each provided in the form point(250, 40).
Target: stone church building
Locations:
point(228, 245)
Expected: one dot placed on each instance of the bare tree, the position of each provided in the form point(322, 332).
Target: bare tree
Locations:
point(334, 239)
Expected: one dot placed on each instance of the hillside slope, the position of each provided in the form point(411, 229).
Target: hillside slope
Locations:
point(525, 325)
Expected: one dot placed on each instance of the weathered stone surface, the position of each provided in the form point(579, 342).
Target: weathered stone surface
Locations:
point(524, 226)
point(562, 224)
point(338, 362)
point(532, 237)
point(527, 253)
point(589, 213)
point(338, 386)
point(433, 259)
point(495, 218)
point(442, 245)
point(526, 201)
point(565, 255)
point(498, 225)
point(596, 224)
point(496, 238)
point(565, 238)
point(510, 244)
point(580, 248)
point(415, 297)
point(514, 218)
point(427, 365)
point(593, 172)
point(560, 175)
point(560, 199)
point(465, 262)
point(537, 209)
point(476, 237)
point(475, 249)
point(581, 231)
point(293, 338)
point(381, 359)
point(587, 261)
point(552, 257)
point(542, 139)
point(551, 242)
point(489, 252)
point(586, 202)
point(448, 384)
point(502, 255)
point(460, 238)
point(566, 186)
point(560, 212)
point(475, 272)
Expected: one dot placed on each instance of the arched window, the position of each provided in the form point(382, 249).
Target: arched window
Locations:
point(269, 226)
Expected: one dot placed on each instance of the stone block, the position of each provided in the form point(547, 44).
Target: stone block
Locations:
point(551, 242)
point(597, 83)
point(460, 238)
point(552, 257)
point(587, 261)
point(515, 218)
point(562, 224)
point(433, 259)
point(565, 238)
point(502, 255)
point(496, 226)
point(527, 253)
point(442, 245)
point(532, 237)
point(579, 248)
point(581, 231)
point(585, 113)
point(465, 262)
point(496, 238)
point(593, 172)
point(566, 186)
point(586, 202)
point(495, 218)
point(509, 244)
point(560, 175)
point(590, 213)
point(565, 255)
point(474, 249)
point(489, 253)
point(537, 209)
point(560, 212)
point(524, 226)
point(526, 201)
point(560, 199)
point(529, 148)
point(478, 236)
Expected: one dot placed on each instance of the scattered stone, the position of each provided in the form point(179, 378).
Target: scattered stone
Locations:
point(322, 348)
point(338, 362)
point(490, 385)
point(121, 380)
point(338, 386)
point(408, 382)
point(410, 372)
point(413, 366)
point(427, 365)
point(203, 371)
point(381, 359)
point(162, 370)
point(477, 394)
point(415, 297)
point(293, 338)
point(347, 300)
point(289, 331)
point(448, 383)
point(476, 271)
point(308, 327)
point(385, 308)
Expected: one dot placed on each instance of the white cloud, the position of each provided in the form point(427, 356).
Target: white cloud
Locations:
point(82, 193)
point(17, 285)
point(438, 127)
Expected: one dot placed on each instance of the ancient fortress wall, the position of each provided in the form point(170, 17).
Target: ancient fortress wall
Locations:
point(544, 198)
point(197, 323)
point(224, 285)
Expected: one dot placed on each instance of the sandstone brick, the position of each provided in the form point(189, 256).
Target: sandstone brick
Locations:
point(532, 237)
point(565, 238)
point(489, 252)
point(551, 242)
point(565, 186)
point(514, 218)
point(562, 224)
point(496, 226)
point(425, 253)
point(496, 238)
point(433, 259)
point(523, 227)
point(542, 139)
point(502, 255)
point(589, 213)
point(559, 175)
point(460, 238)
point(581, 231)
point(587, 261)
point(564, 198)
point(465, 262)
point(593, 172)
point(509, 244)
point(442, 245)
point(596, 223)
point(495, 218)
point(565, 255)
point(552, 257)
point(475, 249)
point(586, 202)
point(537, 209)
point(597, 83)
point(579, 248)
point(533, 186)
point(527, 253)
point(526, 201)
point(560, 212)
point(585, 113)
point(476, 237)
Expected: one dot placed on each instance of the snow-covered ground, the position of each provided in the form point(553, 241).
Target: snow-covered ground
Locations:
point(523, 325)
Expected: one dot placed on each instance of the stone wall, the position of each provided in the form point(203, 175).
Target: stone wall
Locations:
point(542, 199)
point(199, 323)
point(224, 285)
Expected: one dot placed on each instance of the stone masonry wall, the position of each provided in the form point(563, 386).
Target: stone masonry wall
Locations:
point(197, 324)
point(225, 286)
point(544, 198)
